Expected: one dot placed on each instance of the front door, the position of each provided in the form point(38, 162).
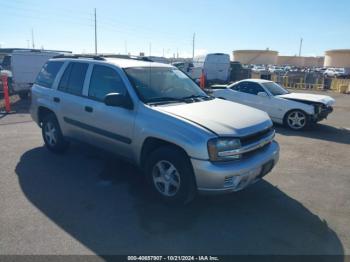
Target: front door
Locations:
point(110, 127)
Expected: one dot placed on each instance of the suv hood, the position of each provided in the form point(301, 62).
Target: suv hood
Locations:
point(221, 117)
point(327, 100)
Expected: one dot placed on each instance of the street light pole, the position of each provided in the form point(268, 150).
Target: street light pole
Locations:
point(95, 33)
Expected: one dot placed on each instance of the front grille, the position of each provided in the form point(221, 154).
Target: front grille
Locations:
point(246, 140)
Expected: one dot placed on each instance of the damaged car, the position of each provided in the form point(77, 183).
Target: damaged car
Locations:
point(297, 111)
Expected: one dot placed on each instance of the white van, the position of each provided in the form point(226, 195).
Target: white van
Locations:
point(216, 67)
point(25, 66)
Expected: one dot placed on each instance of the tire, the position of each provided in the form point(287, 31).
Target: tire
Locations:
point(296, 120)
point(176, 187)
point(23, 95)
point(52, 135)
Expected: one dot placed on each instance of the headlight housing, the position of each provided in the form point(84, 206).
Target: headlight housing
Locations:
point(223, 149)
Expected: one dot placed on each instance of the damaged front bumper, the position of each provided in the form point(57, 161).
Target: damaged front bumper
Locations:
point(322, 112)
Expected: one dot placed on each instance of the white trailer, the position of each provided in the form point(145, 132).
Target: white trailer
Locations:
point(25, 66)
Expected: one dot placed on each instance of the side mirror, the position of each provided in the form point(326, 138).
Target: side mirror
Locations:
point(118, 100)
point(263, 94)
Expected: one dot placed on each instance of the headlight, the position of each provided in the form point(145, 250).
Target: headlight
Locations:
point(223, 149)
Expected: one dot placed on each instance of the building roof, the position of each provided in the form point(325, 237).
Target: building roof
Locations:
point(255, 51)
point(11, 50)
point(338, 51)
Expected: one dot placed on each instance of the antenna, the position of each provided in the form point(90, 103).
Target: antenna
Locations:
point(95, 33)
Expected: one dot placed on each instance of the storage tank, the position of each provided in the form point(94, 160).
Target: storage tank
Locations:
point(264, 57)
point(337, 58)
point(298, 61)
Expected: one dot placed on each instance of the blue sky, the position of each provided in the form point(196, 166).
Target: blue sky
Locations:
point(220, 26)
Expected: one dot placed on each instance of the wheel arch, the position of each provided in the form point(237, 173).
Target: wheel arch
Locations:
point(295, 109)
point(152, 143)
point(43, 111)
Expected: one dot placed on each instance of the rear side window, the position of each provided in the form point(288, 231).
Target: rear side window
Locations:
point(105, 80)
point(73, 78)
point(48, 74)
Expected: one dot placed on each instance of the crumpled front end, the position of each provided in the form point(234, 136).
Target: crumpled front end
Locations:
point(321, 112)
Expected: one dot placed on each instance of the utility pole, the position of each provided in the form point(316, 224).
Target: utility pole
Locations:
point(33, 44)
point(193, 44)
point(95, 33)
point(301, 44)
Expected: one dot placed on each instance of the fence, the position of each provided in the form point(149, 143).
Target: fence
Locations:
point(341, 85)
point(312, 81)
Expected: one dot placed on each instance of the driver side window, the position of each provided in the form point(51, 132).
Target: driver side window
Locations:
point(105, 80)
point(249, 88)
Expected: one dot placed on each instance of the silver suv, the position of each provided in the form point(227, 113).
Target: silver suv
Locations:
point(154, 116)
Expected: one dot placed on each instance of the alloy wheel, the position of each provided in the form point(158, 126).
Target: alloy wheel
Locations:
point(166, 178)
point(50, 134)
point(296, 120)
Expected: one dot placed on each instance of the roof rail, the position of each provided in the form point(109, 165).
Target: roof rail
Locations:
point(140, 58)
point(95, 57)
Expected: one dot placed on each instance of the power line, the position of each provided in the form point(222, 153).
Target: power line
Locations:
point(33, 13)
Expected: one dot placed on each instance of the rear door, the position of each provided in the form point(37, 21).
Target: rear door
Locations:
point(69, 97)
point(217, 67)
point(110, 127)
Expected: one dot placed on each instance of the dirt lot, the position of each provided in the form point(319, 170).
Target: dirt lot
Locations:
point(88, 202)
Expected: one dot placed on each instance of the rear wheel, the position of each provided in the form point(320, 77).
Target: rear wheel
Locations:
point(170, 175)
point(52, 135)
point(296, 120)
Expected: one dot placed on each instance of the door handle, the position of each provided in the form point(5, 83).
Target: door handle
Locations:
point(89, 109)
point(56, 99)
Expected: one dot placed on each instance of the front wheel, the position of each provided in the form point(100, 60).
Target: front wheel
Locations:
point(52, 135)
point(296, 120)
point(169, 172)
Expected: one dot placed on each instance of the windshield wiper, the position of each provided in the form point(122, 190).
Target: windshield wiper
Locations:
point(197, 96)
point(163, 100)
point(186, 99)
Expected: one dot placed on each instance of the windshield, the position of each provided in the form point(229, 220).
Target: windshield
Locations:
point(163, 84)
point(275, 89)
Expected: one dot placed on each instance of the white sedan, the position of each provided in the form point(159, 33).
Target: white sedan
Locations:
point(295, 110)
